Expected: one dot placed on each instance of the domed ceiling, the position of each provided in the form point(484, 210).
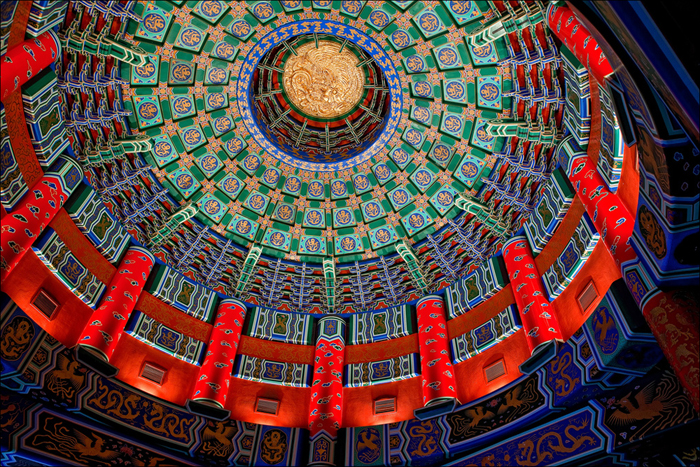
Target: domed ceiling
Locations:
point(320, 132)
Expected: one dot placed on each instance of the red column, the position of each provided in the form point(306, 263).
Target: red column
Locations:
point(616, 225)
point(439, 384)
point(578, 39)
point(107, 322)
point(611, 218)
point(536, 312)
point(35, 211)
point(326, 408)
point(215, 374)
point(26, 60)
point(673, 319)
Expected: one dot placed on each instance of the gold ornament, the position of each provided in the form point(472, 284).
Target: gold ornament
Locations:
point(321, 82)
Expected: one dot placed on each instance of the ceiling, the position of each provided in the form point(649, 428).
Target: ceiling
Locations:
point(229, 141)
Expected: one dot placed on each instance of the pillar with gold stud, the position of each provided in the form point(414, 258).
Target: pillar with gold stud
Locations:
point(326, 408)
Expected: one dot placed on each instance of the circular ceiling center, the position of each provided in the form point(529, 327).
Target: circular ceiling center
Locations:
point(324, 81)
point(320, 95)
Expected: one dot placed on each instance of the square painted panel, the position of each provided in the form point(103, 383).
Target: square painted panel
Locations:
point(429, 23)
point(372, 210)
point(234, 146)
point(346, 244)
point(192, 137)
point(343, 217)
point(440, 153)
point(444, 199)
point(382, 172)
point(322, 4)
point(316, 190)
point(155, 24)
point(292, 5)
point(271, 177)
point(210, 10)
point(416, 221)
point(399, 197)
point(231, 186)
point(314, 218)
point(212, 207)
point(413, 137)
point(184, 182)
point(312, 245)
point(338, 189)
point(484, 55)
point(361, 183)
point(351, 8)
point(241, 29)
point(146, 75)
point(489, 93)
point(148, 111)
point(415, 64)
point(263, 11)
point(251, 162)
point(215, 101)
point(480, 138)
point(225, 50)
point(463, 12)
point(454, 91)
point(216, 75)
point(190, 38)
point(210, 164)
point(222, 125)
point(452, 124)
point(423, 178)
point(181, 72)
point(257, 202)
point(400, 39)
point(243, 226)
point(400, 156)
point(182, 106)
point(382, 236)
point(422, 115)
point(277, 239)
point(469, 170)
point(422, 89)
point(447, 57)
point(285, 212)
point(163, 150)
point(292, 185)
point(379, 19)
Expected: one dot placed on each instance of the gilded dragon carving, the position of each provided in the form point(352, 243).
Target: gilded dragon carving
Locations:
point(323, 81)
point(160, 422)
point(428, 443)
point(554, 444)
point(114, 402)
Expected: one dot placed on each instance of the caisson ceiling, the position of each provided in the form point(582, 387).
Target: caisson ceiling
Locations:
point(320, 154)
point(307, 232)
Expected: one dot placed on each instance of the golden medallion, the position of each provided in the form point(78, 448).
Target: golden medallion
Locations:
point(321, 82)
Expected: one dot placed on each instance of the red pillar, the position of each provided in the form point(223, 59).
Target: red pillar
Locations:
point(213, 383)
point(578, 39)
point(439, 386)
point(536, 312)
point(26, 60)
point(673, 318)
point(616, 225)
point(106, 325)
point(610, 216)
point(35, 211)
point(326, 408)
